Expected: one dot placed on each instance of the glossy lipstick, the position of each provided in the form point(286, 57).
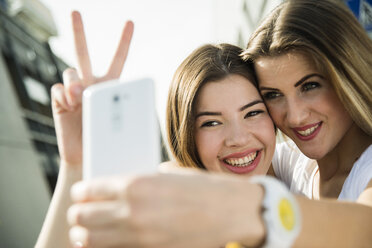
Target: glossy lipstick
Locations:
point(243, 169)
point(312, 135)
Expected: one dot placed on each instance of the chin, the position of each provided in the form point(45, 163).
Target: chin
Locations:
point(316, 155)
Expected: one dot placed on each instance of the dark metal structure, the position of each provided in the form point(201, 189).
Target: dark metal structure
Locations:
point(28, 146)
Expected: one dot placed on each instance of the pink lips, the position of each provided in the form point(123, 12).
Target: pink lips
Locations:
point(243, 169)
point(311, 136)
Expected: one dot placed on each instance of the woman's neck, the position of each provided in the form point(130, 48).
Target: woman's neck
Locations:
point(337, 164)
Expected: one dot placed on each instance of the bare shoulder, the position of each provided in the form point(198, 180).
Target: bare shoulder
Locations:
point(175, 167)
point(169, 165)
point(366, 196)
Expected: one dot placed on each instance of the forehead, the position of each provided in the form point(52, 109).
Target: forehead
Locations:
point(232, 90)
point(289, 65)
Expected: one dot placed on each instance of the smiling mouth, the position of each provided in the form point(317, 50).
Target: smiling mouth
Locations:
point(309, 131)
point(243, 161)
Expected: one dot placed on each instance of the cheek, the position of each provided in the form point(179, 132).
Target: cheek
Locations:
point(337, 115)
point(267, 135)
point(276, 112)
point(207, 146)
point(333, 105)
point(264, 131)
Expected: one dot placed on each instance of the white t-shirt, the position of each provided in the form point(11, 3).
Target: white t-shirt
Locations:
point(298, 171)
point(295, 169)
point(359, 177)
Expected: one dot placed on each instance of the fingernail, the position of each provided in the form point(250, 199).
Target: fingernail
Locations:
point(78, 244)
point(76, 191)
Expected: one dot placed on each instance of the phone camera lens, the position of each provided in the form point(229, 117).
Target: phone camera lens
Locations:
point(116, 98)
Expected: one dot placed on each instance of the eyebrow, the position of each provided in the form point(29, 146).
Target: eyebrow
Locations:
point(240, 109)
point(299, 81)
point(307, 77)
point(250, 104)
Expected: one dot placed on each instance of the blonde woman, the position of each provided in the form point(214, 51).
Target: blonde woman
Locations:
point(314, 71)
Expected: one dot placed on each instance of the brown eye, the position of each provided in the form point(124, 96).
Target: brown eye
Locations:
point(253, 113)
point(270, 95)
point(309, 86)
point(210, 124)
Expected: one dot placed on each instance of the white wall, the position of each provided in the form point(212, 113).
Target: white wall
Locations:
point(166, 31)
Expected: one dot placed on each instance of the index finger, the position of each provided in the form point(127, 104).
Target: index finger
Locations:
point(81, 50)
point(100, 189)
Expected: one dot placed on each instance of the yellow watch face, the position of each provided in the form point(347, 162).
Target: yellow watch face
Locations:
point(233, 245)
point(286, 214)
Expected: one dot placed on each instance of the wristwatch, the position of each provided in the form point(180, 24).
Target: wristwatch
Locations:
point(280, 212)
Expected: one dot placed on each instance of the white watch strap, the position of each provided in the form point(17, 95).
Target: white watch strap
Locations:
point(281, 213)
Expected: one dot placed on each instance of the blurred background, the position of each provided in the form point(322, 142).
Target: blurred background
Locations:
point(36, 46)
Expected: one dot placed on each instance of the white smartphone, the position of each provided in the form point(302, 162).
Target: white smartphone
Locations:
point(120, 129)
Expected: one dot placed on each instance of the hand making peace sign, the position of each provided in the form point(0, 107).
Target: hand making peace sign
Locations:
point(67, 97)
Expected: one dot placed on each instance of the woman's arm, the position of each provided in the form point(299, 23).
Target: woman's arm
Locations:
point(201, 210)
point(333, 223)
point(55, 229)
point(67, 114)
point(190, 209)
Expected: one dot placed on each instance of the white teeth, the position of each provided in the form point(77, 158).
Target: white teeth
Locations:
point(308, 131)
point(241, 162)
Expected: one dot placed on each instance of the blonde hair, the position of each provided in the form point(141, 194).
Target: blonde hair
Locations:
point(205, 64)
point(327, 33)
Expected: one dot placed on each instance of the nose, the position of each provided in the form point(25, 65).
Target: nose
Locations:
point(296, 112)
point(237, 134)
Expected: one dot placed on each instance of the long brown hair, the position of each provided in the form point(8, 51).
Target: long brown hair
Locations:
point(205, 64)
point(327, 33)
